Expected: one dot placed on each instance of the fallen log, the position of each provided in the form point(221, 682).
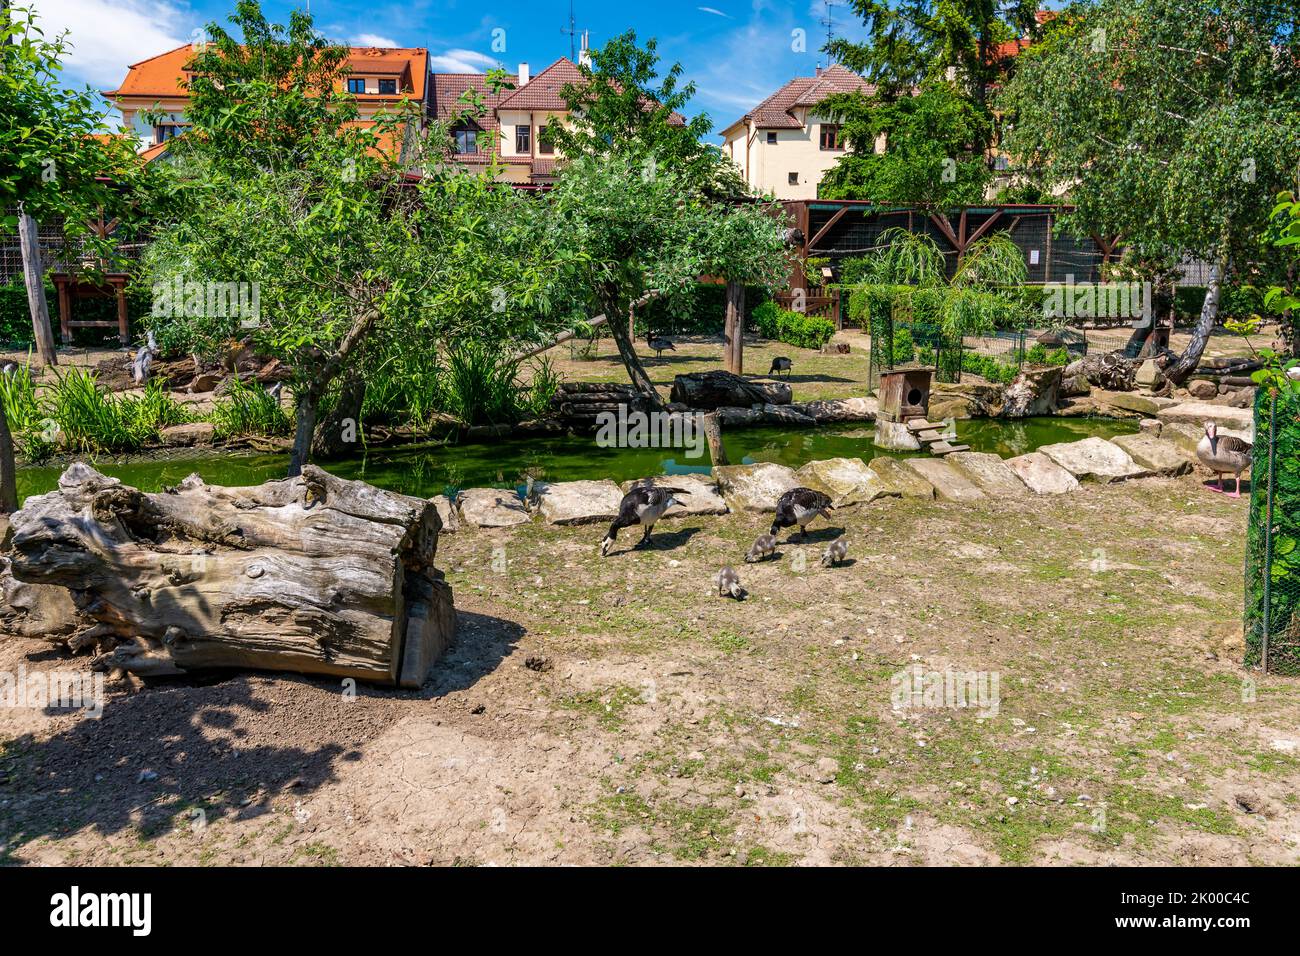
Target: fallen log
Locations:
point(718, 389)
point(313, 574)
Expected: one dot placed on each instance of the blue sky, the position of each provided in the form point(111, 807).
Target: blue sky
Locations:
point(736, 52)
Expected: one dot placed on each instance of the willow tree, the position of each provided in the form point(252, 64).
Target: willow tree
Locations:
point(1170, 125)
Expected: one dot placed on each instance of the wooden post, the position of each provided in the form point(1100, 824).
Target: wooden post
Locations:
point(34, 276)
point(65, 311)
point(713, 434)
point(734, 330)
point(123, 326)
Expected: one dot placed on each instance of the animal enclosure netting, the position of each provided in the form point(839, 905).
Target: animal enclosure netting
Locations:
point(1272, 624)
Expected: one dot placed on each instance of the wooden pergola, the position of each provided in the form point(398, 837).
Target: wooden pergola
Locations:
point(70, 288)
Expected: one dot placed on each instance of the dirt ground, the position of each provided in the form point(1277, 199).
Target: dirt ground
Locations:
point(617, 711)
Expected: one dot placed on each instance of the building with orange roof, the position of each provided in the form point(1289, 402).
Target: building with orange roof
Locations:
point(379, 77)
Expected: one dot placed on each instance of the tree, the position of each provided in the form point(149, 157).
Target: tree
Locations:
point(1172, 123)
point(60, 163)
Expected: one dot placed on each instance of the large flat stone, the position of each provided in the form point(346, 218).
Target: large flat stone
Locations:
point(1041, 475)
point(861, 409)
point(448, 514)
point(492, 508)
point(754, 487)
point(579, 502)
point(989, 473)
point(898, 479)
point(847, 480)
point(703, 497)
point(1133, 401)
point(949, 484)
point(1156, 455)
point(1198, 413)
point(1093, 459)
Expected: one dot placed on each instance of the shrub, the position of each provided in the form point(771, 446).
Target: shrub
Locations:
point(1038, 354)
point(989, 368)
point(793, 328)
point(1284, 584)
point(702, 310)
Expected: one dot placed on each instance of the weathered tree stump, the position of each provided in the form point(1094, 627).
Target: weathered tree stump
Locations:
point(312, 574)
point(718, 389)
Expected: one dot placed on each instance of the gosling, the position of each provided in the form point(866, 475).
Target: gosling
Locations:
point(764, 546)
point(835, 553)
point(729, 584)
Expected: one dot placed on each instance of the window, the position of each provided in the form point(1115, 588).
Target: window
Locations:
point(356, 85)
point(523, 139)
point(466, 140)
point(794, 179)
point(165, 131)
point(830, 136)
point(545, 145)
point(771, 138)
point(388, 87)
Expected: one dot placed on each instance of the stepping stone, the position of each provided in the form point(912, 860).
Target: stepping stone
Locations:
point(847, 480)
point(989, 473)
point(754, 487)
point(579, 502)
point(898, 479)
point(1198, 413)
point(1041, 475)
point(702, 500)
point(492, 508)
point(930, 434)
point(1093, 459)
point(448, 514)
point(1156, 455)
point(949, 483)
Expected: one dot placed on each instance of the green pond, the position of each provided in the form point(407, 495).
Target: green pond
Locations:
point(430, 470)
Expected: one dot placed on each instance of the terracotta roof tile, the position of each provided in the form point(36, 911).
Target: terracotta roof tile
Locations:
point(542, 92)
point(776, 112)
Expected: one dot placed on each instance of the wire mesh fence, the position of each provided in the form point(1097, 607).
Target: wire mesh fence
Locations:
point(1272, 624)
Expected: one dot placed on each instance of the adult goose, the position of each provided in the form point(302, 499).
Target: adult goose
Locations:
point(799, 506)
point(660, 344)
point(1224, 455)
point(780, 364)
point(643, 505)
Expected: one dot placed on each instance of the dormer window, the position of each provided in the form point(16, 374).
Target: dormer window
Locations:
point(466, 138)
point(165, 131)
point(387, 87)
point(356, 85)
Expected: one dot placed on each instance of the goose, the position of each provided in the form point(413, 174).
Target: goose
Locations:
point(835, 553)
point(644, 505)
point(729, 584)
point(275, 390)
point(1223, 455)
point(780, 364)
point(1293, 373)
point(659, 344)
point(799, 506)
point(764, 545)
point(144, 359)
point(10, 369)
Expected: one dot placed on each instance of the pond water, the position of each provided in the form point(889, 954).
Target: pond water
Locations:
point(430, 470)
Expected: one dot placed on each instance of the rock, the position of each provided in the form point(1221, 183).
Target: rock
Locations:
point(1154, 454)
point(579, 502)
point(1093, 459)
point(754, 487)
point(898, 479)
point(1202, 388)
point(1041, 475)
point(1240, 398)
point(1034, 392)
point(192, 433)
point(733, 417)
point(955, 406)
point(848, 481)
point(785, 415)
point(826, 770)
point(447, 513)
point(480, 432)
point(1149, 376)
point(989, 473)
point(1150, 426)
point(491, 508)
point(949, 484)
point(703, 497)
point(1134, 402)
point(1198, 413)
point(839, 410)
point(964, 400)
point(1074, 380)
point(895, 436)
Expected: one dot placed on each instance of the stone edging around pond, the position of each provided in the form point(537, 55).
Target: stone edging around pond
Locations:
point(962, 476)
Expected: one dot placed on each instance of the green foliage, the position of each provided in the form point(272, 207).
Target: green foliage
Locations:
point(1283, 607)
point(1235, 301)
point(1039, 354)
point(702, 310)
point(32, 430)
point(793, 328)
point(248, 409)
point(482, 386)
point(989, 368)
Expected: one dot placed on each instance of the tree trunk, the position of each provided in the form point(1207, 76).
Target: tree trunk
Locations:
point(305, 412)
point(8, 474)
point(34, 277)
point(734, 334)
point(1178, 370)
point(627, 352)
point(719, 389)
point(339, 433)
point(311, 574)
point(713, 434)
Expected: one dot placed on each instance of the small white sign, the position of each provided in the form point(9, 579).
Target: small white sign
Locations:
point(1033, 257)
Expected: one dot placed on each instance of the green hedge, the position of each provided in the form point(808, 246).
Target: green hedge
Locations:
point(1235, 302)
point(16, 321)
point(793, 328)
point(1284, 586)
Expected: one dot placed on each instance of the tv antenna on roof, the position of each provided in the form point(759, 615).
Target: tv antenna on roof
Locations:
point(828, 22)
point(572, 31)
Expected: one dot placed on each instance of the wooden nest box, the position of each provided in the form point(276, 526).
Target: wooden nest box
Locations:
point(904, 393)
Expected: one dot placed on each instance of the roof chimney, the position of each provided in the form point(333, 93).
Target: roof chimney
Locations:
point(523, 74)
point(584, 54)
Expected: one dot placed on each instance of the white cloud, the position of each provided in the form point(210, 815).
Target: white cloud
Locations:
point(372, 39)
point(461, 61)
point(109, 35)
point(715, 12)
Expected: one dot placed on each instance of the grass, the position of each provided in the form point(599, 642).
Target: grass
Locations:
point(248, 409)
